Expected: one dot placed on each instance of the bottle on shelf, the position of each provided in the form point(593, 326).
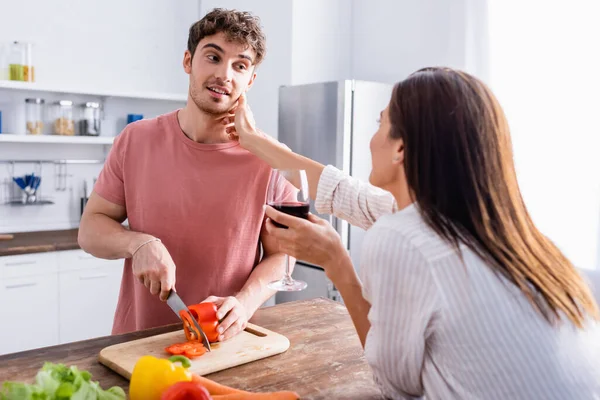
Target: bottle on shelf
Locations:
point(89, 125)
point(34, 112)
point(20, 61)
point(63, 118)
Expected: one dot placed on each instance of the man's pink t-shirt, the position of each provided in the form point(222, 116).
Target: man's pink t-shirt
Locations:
point(203, 201)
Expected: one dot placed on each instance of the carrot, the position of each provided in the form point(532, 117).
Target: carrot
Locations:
point(222, 392)
point(213, 387)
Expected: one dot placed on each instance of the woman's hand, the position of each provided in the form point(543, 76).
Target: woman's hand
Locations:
point(312, 240)
point(240, 124)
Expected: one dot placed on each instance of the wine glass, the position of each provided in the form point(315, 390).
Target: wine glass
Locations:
point(288, 193)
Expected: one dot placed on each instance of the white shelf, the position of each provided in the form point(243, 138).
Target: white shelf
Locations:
point(35, 86)
point(8, 138)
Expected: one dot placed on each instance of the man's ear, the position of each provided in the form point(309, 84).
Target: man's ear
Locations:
point(251, 81)
point(187, 62)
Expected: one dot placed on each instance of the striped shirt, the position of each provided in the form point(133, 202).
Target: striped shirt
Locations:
point(449, 329)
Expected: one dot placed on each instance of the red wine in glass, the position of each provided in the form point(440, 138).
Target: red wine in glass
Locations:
point(295, 208)
point(288, 193)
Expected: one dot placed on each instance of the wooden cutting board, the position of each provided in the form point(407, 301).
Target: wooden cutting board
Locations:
point(252, 344)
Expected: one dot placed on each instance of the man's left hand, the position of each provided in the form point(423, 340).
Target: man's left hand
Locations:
point(232, 314)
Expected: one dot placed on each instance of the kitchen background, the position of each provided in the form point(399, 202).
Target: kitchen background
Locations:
point(123, 60)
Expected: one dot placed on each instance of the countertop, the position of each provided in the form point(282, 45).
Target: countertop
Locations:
point(39, 242)
point(324, 361)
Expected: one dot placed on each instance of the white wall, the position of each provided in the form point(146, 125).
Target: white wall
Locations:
point(321, 41)
point(392, 39)
point(547, 82)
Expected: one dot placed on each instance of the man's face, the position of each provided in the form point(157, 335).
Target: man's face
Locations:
point(219, 73)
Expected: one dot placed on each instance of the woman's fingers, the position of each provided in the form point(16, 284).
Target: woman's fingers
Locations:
point(314, 240)
point(279, 233)
point(229, 114)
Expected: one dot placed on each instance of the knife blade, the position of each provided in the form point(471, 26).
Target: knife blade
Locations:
point(177, 305)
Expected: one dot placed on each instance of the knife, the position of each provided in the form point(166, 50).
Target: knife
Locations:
point(177, 305)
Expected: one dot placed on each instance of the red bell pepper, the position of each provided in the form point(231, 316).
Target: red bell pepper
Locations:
point(186, 391)
point(206, 315)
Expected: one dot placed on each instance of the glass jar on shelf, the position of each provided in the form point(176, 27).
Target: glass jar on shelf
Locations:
point(16, 60)
point(34, 111)
point(20, 62)
point(63, 118)
point(89, 125)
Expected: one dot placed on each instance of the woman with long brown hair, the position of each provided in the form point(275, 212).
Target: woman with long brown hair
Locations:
point(460, 295)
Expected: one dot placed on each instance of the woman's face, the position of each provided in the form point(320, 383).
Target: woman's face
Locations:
point(387, 155)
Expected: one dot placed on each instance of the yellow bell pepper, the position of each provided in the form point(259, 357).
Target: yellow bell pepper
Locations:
point(152, 376)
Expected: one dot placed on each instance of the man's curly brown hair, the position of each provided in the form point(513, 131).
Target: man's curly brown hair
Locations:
point(239, 26)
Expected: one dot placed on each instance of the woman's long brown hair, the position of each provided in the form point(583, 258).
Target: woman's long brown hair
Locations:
point(459, 166)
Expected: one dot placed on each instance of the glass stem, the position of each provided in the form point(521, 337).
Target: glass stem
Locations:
point(288, 272)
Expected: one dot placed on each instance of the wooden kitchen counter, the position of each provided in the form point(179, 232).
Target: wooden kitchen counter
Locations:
point(324, 361)
point(39, 242)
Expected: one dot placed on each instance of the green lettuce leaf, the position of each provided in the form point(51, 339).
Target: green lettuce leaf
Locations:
point(59, 382)
point(22, 391)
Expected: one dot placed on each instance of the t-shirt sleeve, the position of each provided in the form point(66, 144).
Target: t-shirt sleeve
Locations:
point(111, 184)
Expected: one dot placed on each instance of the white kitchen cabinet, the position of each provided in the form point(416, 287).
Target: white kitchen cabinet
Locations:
point(88, 299)
point(72, 260)
point(28, 302)
point(27, 265)
point(56, 297)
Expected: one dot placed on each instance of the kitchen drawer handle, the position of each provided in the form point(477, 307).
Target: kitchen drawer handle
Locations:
point(85, 278)
point(21, 285)
point(27, 262)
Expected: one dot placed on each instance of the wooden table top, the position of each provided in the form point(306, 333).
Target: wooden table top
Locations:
point(38, 242)
point(324, 361)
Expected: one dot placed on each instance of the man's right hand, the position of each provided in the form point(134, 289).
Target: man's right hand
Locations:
point(154, 268)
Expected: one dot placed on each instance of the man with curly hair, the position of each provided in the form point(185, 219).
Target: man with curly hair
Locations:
point(193, 198)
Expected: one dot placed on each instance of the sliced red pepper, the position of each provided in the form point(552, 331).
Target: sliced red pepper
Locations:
point(189, 349)
point(195, 351)
point(179, 348)
point(186, 391)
